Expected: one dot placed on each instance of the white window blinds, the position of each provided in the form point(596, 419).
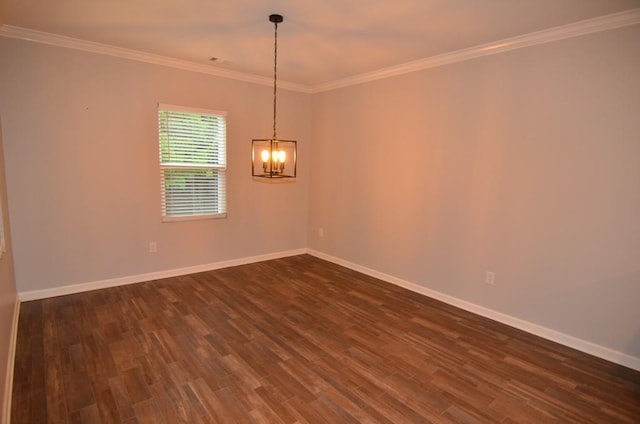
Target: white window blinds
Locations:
point(192, 162)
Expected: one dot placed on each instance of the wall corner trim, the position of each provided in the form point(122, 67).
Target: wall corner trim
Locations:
point(140, 278)
point(27, 34)
point(538, 330)
point(575, 29)
point(6, 404)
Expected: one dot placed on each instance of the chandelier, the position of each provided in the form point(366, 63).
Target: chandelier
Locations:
point(274, 157)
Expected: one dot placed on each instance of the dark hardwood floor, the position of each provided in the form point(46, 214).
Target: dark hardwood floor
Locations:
point(296, 340)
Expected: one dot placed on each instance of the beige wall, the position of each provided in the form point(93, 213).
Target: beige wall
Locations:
point(525, 163)
point(8, 298)
point(80, 134)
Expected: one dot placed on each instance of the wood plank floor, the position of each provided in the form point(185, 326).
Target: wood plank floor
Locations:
point(296, 340)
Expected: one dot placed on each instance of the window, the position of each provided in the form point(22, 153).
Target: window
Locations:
point(192, 163)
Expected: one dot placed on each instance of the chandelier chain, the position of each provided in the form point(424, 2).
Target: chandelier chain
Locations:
point(275, 74)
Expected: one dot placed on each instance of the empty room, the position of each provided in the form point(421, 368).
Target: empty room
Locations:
point(408, 211)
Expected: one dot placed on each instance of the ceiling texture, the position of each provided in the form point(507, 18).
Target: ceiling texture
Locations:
point(319, 42)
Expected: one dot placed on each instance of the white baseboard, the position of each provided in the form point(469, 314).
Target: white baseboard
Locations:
point(8, 387)
point(140, 278)
point(538, 330)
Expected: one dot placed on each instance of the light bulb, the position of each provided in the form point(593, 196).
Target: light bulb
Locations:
point(274, 155)
point(265, 155)
point(282, 155)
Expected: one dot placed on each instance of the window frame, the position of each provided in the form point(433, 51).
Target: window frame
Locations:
point(220, 168)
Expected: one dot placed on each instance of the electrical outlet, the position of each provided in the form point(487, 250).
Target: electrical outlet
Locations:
point(153, 247)
point(490, 277)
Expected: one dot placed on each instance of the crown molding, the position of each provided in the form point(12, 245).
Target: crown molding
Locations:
point(121, 52)
point(589, 26)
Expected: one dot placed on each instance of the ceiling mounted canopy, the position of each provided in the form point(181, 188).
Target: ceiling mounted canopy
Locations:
point(272, 157)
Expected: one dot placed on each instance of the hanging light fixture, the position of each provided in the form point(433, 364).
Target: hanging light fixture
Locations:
point(273, 157)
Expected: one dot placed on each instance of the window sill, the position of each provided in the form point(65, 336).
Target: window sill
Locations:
point(193, 217)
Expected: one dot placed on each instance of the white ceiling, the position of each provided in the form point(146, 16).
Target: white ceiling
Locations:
point(320, 41)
